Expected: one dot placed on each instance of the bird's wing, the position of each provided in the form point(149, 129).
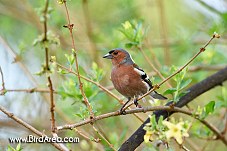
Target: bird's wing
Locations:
point(143, 75)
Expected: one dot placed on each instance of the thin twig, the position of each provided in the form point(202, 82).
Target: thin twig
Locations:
point(99, 133)
point(191, 69)
point(31, 77)
point(192, 144)
point(185, 148)
point(194, 91)
point(152, 65)
point(225, 125)
point(50, 85)
point(97, 140)
point(29, 127)
point(31, 90)
point(70, 27)
point(95, 83)
point(206, 68)
point(3, 90)
point(144, 110)
point(99, 85)
point(180, 69)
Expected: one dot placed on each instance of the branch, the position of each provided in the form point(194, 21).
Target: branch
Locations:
point(31, 77)
point(70, 27)
point(152, 65)
point(170, 109)
point(31, 90)
point(225, 125)
point(101, 135)
point(32, 129)
point(206, 68)
point(98, 85)
point(116, 113)
point(3, 90)
point(50, 85)
point(96, 140)
point(194, 91)
point(215, 35)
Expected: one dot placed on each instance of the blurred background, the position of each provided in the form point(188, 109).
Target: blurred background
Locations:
point(169, 32)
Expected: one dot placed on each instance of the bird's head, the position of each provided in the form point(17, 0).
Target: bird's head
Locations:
point(119, 56)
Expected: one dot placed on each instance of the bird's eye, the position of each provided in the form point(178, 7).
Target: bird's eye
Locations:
point(115, 53)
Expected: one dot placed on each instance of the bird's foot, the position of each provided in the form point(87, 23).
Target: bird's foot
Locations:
point(136, 102)
point(122, 111)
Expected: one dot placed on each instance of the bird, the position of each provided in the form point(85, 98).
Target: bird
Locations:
point(128, 78)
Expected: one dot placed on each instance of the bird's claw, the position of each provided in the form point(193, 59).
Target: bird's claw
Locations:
point(122, 111)
point(136, 102)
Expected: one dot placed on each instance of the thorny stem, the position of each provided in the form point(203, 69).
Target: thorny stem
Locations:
point(146, 109)
point(70, 27)
point(50, 85)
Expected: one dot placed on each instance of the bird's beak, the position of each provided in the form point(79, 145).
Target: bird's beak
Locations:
point(108, 56)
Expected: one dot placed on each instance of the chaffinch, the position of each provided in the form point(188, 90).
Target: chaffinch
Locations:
point(128, 78)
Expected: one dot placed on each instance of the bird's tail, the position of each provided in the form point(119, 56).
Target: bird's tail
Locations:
point(156, 95)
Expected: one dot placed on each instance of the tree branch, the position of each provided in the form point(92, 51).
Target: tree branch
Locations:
point(50, 84)
point(210, 82)
point(3, 90)
point(157, 86)
point(70, 28)
point(31, 90)
point(98, 85)
point(60, 147)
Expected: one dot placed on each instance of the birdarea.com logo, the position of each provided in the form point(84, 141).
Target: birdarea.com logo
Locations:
point(44, 139)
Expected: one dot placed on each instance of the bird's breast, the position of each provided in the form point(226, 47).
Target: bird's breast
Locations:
point(127, 82)
point(120, 79)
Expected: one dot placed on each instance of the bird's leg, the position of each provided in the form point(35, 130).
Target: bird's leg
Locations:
point(136, 102)
point(122, 110)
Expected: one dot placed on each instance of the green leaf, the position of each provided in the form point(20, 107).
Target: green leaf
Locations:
point(70, 59)
point(170, 91)
point(185, 83)
point(209, 108)
point(153, 122)
point(18, 148)
point(183, 93)
point(61, 71)
point(129, 45)
point(79, 115)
